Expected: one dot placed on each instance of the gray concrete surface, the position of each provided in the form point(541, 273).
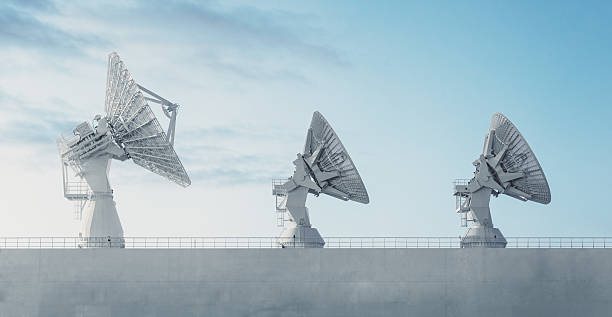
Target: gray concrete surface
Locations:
point(311, 282)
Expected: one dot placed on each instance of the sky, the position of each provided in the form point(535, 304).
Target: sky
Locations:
point(409, 87)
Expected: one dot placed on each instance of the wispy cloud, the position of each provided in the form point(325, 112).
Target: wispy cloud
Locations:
point(245, 42)
point(245, 30)
point(24, 123)
point(222, 155)
point(21, 27)
point(41, 132)
point(34, 5)
point(180, 38)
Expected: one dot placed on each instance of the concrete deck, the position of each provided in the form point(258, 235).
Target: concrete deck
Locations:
point(311, 282)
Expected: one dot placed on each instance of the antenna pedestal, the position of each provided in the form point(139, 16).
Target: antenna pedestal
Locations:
point(101, 226)
point(299, 233)
point(483, 237)
point(482, 234)
point(301, 237)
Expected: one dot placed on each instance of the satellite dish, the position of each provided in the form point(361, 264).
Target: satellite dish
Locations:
point(506, 166)
point(324, 167)
point(129, 130)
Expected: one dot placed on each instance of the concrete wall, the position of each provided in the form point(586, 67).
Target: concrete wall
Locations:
point(293, 282)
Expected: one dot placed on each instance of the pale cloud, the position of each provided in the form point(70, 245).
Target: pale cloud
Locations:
point(21, 26)
point(246, 42)
point(233, 155)
point(27, 123)
point(52, 45)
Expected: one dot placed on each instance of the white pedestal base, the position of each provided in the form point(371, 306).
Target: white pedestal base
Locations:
point(483, 237)
point(301, 237)
point(101, 224)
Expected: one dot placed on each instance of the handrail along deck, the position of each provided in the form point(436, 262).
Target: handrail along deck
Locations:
point(273, 242)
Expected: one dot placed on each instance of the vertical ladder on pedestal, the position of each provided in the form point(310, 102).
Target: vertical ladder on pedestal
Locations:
point(460, 187)
point(280, 196)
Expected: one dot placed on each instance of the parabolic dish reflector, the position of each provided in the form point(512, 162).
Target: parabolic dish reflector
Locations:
point(135, 127)
point(333, 157)
point(519, 158)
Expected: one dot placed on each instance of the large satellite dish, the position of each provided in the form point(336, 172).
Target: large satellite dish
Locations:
point(129, 130)
point(324, 167)
point(507, 166)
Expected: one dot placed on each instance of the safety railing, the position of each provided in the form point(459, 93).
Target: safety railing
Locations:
point(559, 242)
point(391, 242)
point(273, 242)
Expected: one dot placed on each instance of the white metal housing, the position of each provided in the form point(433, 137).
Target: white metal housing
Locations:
point(506, 166)
point(324, 167)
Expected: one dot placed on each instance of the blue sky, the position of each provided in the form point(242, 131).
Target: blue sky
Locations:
point(409, 87)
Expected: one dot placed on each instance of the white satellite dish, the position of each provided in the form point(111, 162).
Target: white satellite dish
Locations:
point(128, 131)
point(324, 167)
point(507, 166)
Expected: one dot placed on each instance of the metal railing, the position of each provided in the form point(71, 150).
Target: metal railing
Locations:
point(391, 242)
point(273, 242)
point(560, 242)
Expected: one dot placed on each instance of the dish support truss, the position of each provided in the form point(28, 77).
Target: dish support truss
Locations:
point(170, 110)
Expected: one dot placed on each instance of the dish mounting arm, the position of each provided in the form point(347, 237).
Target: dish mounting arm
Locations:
point(321, 178)
point(297, 188)
point(170, 109)
point(490, 178)
point(308, 178)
